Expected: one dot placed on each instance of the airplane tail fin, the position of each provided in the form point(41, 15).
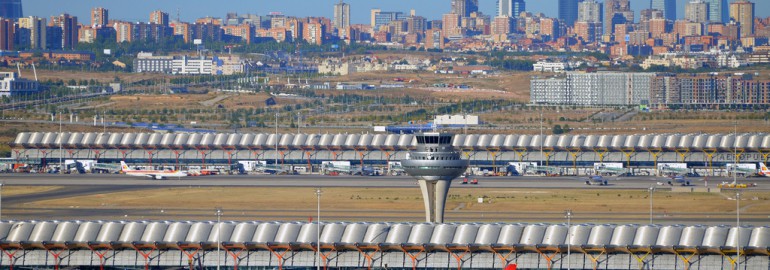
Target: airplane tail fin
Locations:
point(763, 168)
point(123, 166)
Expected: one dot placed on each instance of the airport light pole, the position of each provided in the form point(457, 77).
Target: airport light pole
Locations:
point(568, 213)
point(541, 135)
point(738, 229)
point(276, 138)
point(651, 190)
point(1, 201)
point(61, 164)
point(219, 234)
point(318, 193)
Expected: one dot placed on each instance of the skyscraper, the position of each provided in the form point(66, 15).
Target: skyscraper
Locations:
point(696, 11)
point(667, 6)
point(10, 9)
point(464, 8)
point(568, 11)
point(590, 11)
point(6, 34)
point(718, 11)
point(616, 12)
point(742, 11)
point(341, 15)
point(99, 17)
point(510, 8)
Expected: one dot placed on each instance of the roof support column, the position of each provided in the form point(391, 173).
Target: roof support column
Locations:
point(574, 152)
point(520, 152)
point(594, 259)
point(710, 158)
point(655, 153)
point(628, 152)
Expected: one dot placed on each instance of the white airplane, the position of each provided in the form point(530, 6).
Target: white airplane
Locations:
point(342, 169)
point(763, 171)
point(679, 179)
point(742, 171)
point(155, 174)
point(597, 180)
point(604, 170)
point(270, 169)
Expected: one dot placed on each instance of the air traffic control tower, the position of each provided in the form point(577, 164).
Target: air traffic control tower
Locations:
point(434, 163)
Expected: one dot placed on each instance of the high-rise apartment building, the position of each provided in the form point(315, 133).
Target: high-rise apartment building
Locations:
point(718, 11)
point(99, 17)
point(667, 6)
point(37, 31)
point(313, 33)
point(510, 8)
point(385, 17)
point(373, 17)
point(416, 24)
point(159, 17)
point(451, 25)
point(590, 11)
point(568, 11)
point(10, 9)
point(742, 12)
point(69, 30)
point(464, 8)
point(502, 26)
point(341, 15)
point(696, 11)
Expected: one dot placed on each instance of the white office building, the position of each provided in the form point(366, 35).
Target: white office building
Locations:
point(592, 89)
point(12, 85)
point(191, 66)
point(146, 62)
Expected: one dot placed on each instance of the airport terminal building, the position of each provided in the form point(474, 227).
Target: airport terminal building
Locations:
point(295, 245)
point(709, 153)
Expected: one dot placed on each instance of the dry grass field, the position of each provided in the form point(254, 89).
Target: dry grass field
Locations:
point(405, 204)
point(103, 77)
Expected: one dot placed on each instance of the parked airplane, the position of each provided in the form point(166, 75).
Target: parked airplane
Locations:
point(331, 168)
point(597, 180)
point(763, 171)
point(155, 174)
point(674, 171)
point(270, 169)
point(741, 171)
point(605, 170)
point(679, 179)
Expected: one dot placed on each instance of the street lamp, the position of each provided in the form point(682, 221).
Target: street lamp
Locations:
point(568, 213)
point(652, 190)
point(219, 234)
point(318, 193)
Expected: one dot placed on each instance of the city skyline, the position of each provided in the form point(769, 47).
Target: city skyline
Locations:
point(359, 9)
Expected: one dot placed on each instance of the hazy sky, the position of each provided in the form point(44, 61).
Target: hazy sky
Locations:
point(138, 10)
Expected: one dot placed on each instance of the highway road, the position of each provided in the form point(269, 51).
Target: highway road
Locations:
point(564, 182)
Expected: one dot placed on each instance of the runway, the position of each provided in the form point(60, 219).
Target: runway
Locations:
point(75, 186)
point(522, 182)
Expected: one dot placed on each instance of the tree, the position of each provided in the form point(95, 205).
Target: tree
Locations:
point(557, 130)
